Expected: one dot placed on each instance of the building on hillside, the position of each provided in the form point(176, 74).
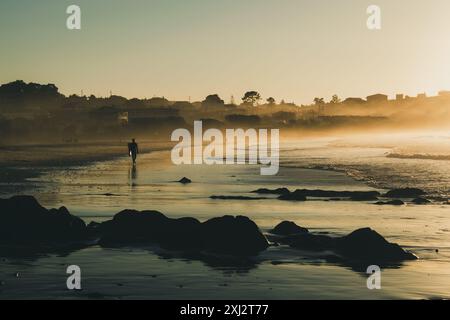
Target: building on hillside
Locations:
point(421, 96)
point(354, 101)
point(377, 98)
point(444, 93)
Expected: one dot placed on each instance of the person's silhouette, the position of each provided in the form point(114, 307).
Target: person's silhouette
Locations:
point(133, 150)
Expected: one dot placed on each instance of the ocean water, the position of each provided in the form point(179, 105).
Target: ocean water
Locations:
point(97, 191)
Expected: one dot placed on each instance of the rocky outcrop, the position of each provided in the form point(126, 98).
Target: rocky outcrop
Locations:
point(24, 221)
point(396, 202)
point(364, 196)
point(229, 235)
point(368, 245)
point(235, 198)
point(405, 193)
point(363, 245)
point(278, 191)
point(185, 180)
point(131, 227)
point(303, 194)
point(420, 201)
point(287, 228)
point(233, 235)
point(293, 196)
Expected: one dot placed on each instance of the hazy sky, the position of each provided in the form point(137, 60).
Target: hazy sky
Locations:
point(289, 49)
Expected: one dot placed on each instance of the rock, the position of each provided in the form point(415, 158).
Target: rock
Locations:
point(235, 198)
point(405, 193)
point(421, 201)
point(185, 180)
point(286, 228)
point(143, 227)
point(301, 194)
point(233, 235)
point(392, 202)
point(369, 246)
point(363, 245)
point(293, 196)
point(278, 191)
point(338, 194)
point(24, 221)
point(364, 196)
point(230, 235)
point(310, 242)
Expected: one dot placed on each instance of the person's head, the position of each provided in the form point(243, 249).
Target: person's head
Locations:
point(133, 140)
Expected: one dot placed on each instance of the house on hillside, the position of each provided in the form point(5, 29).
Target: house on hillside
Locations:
point(377, 98)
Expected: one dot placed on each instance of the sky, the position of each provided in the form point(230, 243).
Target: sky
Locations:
point(288, 49)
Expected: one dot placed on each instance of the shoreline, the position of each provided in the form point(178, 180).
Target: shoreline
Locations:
point(21, 163)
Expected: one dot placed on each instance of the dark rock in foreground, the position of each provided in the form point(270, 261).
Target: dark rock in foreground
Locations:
point(310, 242)
point(405, 193)
point(363, 245)
point(368, 245)
point(420, 200)
point(185, 180)
point(142, 227)
point(392, 202)
point(24, 221)
point(278, 191)
point(286, 228)
point(229, 235)
point(233, 235)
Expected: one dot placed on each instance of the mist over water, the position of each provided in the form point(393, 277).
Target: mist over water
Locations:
point(417, 159)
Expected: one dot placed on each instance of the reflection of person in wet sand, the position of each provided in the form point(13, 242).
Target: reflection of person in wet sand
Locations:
point(133, 150)
point(132, 176)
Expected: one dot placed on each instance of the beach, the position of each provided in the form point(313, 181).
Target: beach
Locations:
point(96, 190)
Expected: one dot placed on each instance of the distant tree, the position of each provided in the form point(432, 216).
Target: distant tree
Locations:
point(270, 101)
point(213, 100)
point(158, 102)
point(251, 98)
point(282, 102)
point(135, 103)
point(319, 101)
point(335, 99)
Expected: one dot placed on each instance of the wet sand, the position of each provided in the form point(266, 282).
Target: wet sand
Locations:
point(20, 163)
point(98, 190)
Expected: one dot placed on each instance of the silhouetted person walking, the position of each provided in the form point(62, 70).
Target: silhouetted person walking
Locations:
point(133, 150)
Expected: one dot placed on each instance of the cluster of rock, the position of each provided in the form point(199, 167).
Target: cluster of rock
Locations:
point(362, 245)
point(303, 194)
point(229, 235)
point(23, 221)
